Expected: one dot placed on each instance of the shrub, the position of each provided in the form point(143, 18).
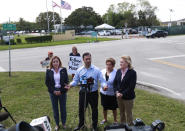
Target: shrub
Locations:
point(38, 39)
point(12, 42)
point(19, 40)
point(2, 42)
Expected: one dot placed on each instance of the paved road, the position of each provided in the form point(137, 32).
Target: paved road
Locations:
point(158, 62)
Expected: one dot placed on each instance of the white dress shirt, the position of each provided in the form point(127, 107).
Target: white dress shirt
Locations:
point(57, 78)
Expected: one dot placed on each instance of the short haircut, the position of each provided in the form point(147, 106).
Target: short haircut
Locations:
point(111, 60)
point(86, 54)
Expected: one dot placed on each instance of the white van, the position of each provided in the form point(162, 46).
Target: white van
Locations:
point(6, 38)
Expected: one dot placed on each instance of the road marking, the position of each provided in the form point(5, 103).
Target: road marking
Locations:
point(180, 43)
point(170, 64)
point(157, 86)
point(2, 69)
point(168, 57)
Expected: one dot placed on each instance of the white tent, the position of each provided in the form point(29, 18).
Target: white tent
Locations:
point(104, 27)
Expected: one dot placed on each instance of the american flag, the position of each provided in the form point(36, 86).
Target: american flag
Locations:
point(55, 4)
point(65, 5)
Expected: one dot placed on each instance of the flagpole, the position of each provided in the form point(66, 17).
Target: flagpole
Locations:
point(47, 15)
point(61, 18)
point(53, 15)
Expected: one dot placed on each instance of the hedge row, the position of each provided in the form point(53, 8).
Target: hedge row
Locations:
point(19, 40)
point(38, 39)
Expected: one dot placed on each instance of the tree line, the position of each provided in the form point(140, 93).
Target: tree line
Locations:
point(123, 14)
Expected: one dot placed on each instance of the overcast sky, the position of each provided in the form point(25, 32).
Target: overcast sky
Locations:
point(30, 9)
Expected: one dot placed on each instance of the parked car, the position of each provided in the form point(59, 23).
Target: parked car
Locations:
point(89, 32)
point(7, 38)
point(85, 32)
point(158, 33)
point(112, 32)
point(43, 31)
point(118, 32)
point(104, 33)
point(133, 31)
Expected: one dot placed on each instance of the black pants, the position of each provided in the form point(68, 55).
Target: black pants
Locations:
point(92, 99)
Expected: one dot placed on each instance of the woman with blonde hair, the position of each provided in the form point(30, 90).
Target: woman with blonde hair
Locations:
point(124, 85)
point(56, 80)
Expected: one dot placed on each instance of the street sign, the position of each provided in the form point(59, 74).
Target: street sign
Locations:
point(94, 34)
point(9, 27)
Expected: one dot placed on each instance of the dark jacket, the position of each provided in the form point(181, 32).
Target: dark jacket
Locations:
point(50, 82)
point(71, 54)
point(127, 85)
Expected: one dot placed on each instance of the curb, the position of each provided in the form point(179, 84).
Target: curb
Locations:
point(159, 89)
point(148, 86)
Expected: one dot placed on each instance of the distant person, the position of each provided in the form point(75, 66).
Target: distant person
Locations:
point(108, 97)
point(47, 59)
point(56, 80)
point(74, 53)
point(124, 85)
point(126, 33)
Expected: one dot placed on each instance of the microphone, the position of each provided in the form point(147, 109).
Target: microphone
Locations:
point(4, 116)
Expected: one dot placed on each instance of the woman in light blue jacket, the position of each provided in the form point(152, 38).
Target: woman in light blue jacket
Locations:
point(108, 97)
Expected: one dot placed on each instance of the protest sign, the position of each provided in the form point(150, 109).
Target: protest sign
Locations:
point(74, 63)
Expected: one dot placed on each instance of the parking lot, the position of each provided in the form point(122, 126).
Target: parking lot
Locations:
point(158, 62)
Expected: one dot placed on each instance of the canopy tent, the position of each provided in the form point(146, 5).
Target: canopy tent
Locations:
point(104, 27)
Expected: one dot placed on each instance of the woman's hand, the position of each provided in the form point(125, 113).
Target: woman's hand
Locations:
point(105, 88)
point(57, 93)
point(119, 95)
point(67, 87)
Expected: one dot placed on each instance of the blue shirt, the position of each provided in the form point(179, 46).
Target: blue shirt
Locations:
point(93, 72)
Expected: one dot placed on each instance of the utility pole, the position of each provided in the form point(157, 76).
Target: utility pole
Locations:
point(171, 11)
point(9, 48)
point(47, 15)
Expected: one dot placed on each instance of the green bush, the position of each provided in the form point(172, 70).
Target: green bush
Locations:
point(12, 42)
point(39, 39)
point(19, 40)
point(2, 42)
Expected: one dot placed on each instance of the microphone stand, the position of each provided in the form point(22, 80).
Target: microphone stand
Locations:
point(87, 89)
point(9, 114)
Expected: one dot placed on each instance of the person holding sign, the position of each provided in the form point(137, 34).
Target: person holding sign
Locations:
point(74, 52)
point(45, 63)
point(74, 61)
point(56, 80)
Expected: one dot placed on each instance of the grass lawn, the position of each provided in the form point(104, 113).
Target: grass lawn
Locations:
point(25, 96)
point(77, 40)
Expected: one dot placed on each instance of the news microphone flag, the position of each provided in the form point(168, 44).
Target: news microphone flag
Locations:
point(65, 5)
point(43, 122)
